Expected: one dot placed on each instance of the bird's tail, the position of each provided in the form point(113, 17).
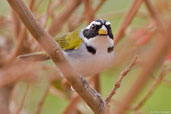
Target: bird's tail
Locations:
point(32, 57)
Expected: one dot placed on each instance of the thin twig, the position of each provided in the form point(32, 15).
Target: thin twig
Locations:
point(118, 83)
point(18, 46)
point(89, 15)
point(38, 4)
point(23, 100)
point(97, 82)
point(40, 104)
point(155, 16)
point(54, 6)
point(168, 82)
point(99, 6)
point(72, 104)
point(155, 84)
point(5, 93)
point(63, 16)
point(16, 24)
point(128, 19)
point(31, 4)
point(72, 24)
point(154, 58)
point(20, 37)
point(80, 85)
point(47, 14)
point(120, 14)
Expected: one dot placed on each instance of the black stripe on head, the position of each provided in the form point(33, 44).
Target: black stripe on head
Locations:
point(93, 30)
point(88, 33)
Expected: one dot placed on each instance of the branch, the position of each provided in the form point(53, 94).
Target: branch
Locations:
point(155, 84)
point(75, 99)
point(42, 100)
point(128, 19)
point(153, 59)
point(73, 23)
point(5, 93)
point(90, 96)
point(23, 100)
point(118, 83)
point(99, 6)
point(88, 13)
point(57, 23)
point(97, 83)
point(18, 47)
point(16, 24)
point(72, 104)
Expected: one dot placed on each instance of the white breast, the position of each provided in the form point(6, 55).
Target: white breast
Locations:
point(88, 64)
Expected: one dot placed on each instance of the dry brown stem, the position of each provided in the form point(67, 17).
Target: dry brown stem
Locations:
point(20, 33)
point(63, 16)
point(155, 16)
point(47, 14)
point(150, 62)
point(75, 99)
point(31, 4)
point(99, 5)
point(18, 47)
point(72, 24)
point(128, 19)
point(54, 6)
point(5, 93)
point(90, 96)
point(155, 84)
point(149, 65)
point(10, 74)
point(23, 99)
point(16, 24)
point(97, 82)
point(120, 14)
point(118, 83)
point(89, 14)
point(72, 104)
point(40, 104)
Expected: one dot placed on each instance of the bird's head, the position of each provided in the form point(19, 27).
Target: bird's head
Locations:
point(98, 34)
point(97, 28)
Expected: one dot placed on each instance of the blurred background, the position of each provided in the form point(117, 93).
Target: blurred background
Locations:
point(37, 88)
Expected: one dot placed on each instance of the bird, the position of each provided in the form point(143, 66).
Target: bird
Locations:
point(89, 50)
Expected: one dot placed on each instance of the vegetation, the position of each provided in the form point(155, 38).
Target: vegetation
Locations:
point(138, 83)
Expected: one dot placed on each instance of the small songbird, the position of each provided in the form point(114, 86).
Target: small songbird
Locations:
point(90, 50)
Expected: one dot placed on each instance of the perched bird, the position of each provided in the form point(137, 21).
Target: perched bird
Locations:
point(90, 50)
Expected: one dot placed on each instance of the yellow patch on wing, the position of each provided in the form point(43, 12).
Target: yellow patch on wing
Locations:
point(70, 41)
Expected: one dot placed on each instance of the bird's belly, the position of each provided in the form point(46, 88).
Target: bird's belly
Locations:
point(92, 64)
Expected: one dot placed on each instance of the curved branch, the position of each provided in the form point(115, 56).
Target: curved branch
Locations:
point(58, 21)
point(90, 96)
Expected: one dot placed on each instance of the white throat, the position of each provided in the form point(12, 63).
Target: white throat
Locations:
point(98, 42)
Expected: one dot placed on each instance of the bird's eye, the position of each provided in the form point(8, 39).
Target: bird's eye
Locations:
point(93, 27)
point(108, 27)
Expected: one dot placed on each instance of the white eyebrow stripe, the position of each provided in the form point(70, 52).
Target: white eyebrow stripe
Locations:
point(108, 23)
point(94, 22)
point(97, 23)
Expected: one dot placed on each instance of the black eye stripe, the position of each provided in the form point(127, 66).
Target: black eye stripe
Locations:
point(89, 33)
point(94, 28)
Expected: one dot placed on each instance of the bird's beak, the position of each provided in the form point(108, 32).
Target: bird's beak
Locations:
point(102, 31)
